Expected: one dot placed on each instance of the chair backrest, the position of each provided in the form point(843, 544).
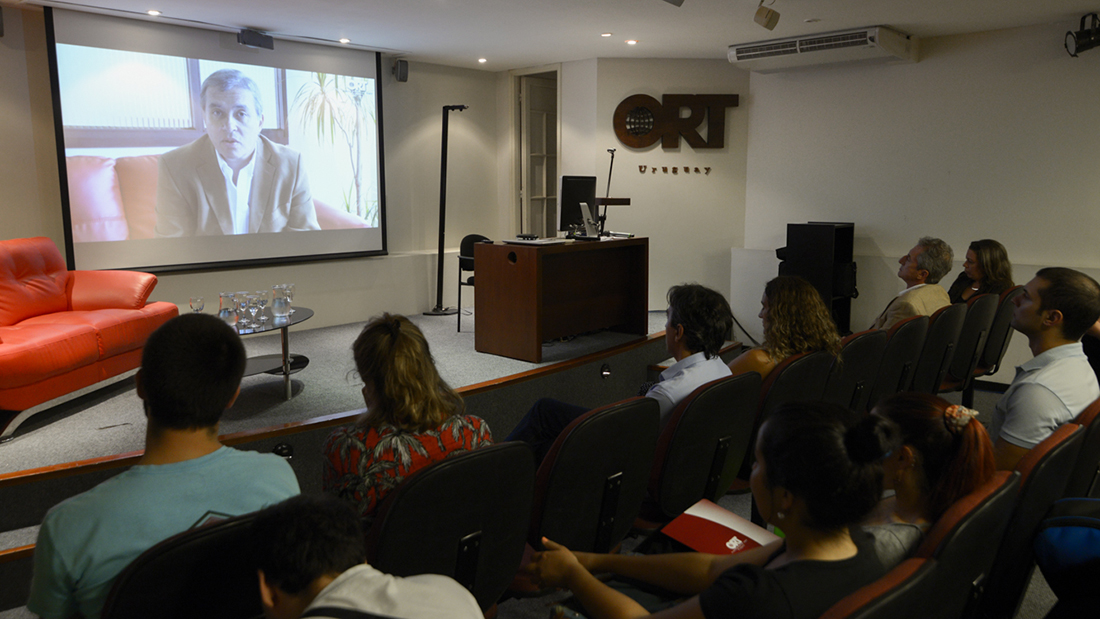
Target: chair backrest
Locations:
point(1000, 333)
point(465, 517)
point(899, 359)
point(704, 441)
point(981, 309)
point(853, 373)
point(1044, 472)
point(204, 572)
point(944, 328)
point(1086, 473)
point(900, 594)
point(466, 251)
point(963, 541)
point(589, 487)
point(797, 378)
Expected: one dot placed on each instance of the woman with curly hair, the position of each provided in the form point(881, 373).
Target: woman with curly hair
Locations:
point(413, 417)
point(986, 270)
point(795, 320)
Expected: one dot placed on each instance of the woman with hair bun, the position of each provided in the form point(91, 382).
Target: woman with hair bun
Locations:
point(945, 454)
point(413, 417)
point(815, 476)
point(986, 270)
point(795, 321)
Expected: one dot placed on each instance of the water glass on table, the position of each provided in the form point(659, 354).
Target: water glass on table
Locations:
point(280, 301)
point(197, 304)
point(262, 298)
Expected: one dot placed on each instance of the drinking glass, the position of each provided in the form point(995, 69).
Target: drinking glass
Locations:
point(262, 297)
point(290, 297)
point(241, 301)
point(197, 304)
point(227, 308)
point(253, 302)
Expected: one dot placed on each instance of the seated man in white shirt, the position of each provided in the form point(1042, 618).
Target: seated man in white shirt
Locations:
point(1054, 311)
point(311, 554)
point(698, 321)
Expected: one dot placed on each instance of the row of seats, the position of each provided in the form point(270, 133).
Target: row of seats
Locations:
point(977, 559)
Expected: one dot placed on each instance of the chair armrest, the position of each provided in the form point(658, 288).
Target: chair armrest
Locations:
point(94, 290)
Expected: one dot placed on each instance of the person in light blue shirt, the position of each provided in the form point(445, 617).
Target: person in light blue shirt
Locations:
point(191, 371)
point(698, 320)
point(1054, 311)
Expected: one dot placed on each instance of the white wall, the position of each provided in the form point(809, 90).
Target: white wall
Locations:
point(692, 220)
point(986, 137)
point(340, 291)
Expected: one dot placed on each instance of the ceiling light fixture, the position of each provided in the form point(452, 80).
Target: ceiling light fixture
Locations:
point(482, 60)
point(606, 34)
point(631, 42)
point(153, 12)
point(766, 17)
point(345, 41)
point(1084, 40)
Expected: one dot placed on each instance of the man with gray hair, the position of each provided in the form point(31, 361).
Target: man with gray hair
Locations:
point(232, 180)
point(921, 270)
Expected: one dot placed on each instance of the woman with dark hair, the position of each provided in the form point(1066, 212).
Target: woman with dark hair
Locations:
point(814, 477)
point(945, 454)
point(413, 417)
point(795, 321)
point(986, 270)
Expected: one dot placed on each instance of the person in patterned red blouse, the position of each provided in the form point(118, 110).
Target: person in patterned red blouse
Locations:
point(413, 417)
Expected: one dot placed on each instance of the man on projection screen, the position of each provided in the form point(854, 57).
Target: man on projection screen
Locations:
point(232, 180)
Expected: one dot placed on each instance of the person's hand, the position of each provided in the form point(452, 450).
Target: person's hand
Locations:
point(555, 566)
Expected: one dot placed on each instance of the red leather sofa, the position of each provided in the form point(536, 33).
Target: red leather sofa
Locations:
point(115, 199)
point(64, 330)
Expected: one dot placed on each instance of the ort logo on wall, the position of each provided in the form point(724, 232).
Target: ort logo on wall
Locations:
point(641, 120)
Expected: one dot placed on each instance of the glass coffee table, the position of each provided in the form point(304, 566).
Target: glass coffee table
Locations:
point(285, 363)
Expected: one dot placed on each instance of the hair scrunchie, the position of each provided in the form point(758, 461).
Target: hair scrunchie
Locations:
point(957, 417)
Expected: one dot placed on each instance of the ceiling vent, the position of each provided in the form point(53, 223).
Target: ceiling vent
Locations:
point(862, 44)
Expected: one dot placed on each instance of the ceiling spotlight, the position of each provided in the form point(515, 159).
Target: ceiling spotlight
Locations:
point(482, 60)
point(345, 41)
point(153, 12)
point(606, 34)
point(631, 42)
point(766, 17)
point(1084, 40)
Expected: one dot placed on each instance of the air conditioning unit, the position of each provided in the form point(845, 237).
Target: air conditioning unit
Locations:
point(862, 44)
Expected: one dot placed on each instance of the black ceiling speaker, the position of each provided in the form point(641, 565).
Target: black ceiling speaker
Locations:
point(675, 2)
point(255, 39)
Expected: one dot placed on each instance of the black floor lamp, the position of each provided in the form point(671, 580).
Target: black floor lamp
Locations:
point(439, 310)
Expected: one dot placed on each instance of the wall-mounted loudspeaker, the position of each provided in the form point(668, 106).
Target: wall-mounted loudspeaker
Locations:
point(401, 70)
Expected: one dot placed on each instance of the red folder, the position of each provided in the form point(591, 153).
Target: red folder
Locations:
point(706, 527)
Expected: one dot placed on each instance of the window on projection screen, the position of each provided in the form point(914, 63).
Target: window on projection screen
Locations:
point(277, 159)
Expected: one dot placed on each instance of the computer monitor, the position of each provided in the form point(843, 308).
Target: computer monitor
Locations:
point(574, 191)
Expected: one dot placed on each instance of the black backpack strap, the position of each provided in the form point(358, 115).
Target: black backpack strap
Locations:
point(342, 613)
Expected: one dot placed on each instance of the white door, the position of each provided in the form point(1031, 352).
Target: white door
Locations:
point(538, 155)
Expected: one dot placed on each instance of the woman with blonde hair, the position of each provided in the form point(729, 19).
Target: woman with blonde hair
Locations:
point(795, 320)
point(413, 417)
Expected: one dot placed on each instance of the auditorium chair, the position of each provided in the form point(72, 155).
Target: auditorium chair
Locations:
point(1000, 334)
point(1044, 472)
point(899, 360)
point(205, 572)
point(900, 594)
point(853, 373)
point(944, 328)
point(589, 487)
point(1083, 479)
point(466, 264)
point(700, 447)
point(465, 517)
point(981, 310)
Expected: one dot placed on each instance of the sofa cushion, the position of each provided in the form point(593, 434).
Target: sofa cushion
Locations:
point(32, 353)
point(95, 203)
point(33, 279)
point(137, 181)
point(116, 330)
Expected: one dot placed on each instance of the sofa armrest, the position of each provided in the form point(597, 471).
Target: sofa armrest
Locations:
point(94, 290)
